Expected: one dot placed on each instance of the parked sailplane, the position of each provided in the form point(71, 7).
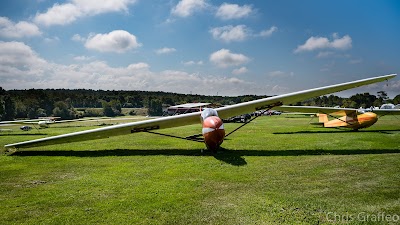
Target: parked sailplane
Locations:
point(44, 122)
point(213, 131)
point(354, 119)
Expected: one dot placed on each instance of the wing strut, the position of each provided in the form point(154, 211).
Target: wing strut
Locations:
point(190, 138)
point(354, 116)
point(267, 107)
point(247, 122)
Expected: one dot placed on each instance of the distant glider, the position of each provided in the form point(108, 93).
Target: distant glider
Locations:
point(213, 131)
point(44, 122)
point(354, 119)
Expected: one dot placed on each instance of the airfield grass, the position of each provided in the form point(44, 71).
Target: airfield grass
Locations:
point(275, 170)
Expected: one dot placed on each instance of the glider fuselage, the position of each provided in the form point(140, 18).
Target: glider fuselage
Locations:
point(354, 122)
point(213, 129)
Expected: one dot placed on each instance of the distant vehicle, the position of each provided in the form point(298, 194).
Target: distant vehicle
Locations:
point(238, 119)
point(25, 128)
point(273, 112)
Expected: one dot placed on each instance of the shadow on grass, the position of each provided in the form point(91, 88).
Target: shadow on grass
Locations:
point(339, 131)
point(233, 157)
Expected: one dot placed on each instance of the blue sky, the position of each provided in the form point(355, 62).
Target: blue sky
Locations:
point(198, 46)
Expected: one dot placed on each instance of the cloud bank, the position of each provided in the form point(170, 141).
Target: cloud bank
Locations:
point(21, 67)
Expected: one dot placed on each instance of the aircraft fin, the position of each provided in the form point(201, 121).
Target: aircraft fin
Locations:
point(322, 118)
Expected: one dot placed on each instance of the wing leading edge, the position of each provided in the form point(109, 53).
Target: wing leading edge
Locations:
point(193, 118)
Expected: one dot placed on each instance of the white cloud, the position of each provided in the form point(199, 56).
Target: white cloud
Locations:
point(230, 33)
point(78, 38)
point(165, 50)
point(62, 14)
point(240, 70)
point(224, 58)
point(9, 29)
point(18, 55)
point(83, 58)
point(233, 11)
point(269, 32)
point(93, 7)
point(186, 8)
point(191, 63)
point(58, 15)
point(319, 43)
point(116, 41)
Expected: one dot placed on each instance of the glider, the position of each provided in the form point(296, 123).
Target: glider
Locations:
point(213, 131)
point(343, 117)
point(44, 122)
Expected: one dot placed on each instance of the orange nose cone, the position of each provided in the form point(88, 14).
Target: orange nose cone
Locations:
point(213, 132)
point(368, 119)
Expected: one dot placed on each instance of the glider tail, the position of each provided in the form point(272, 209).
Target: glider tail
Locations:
point(323, 118)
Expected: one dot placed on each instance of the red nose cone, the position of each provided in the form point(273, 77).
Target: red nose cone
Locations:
point(213, 132)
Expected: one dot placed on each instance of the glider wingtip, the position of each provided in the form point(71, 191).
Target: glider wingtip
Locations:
point(9, 149)
point(392, 75)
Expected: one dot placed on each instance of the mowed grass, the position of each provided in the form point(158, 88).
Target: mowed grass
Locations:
point(276, 170)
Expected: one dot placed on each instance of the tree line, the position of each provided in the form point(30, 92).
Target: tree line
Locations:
point(69, 104)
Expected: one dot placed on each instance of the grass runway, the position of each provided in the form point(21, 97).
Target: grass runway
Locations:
point(276, 170)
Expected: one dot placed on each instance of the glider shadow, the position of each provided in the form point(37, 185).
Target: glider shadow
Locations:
point(233, 157)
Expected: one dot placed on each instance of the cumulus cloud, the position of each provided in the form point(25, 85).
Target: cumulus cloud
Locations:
point(233, 11)
point(58, 15)
point(186, 8)
point(165, 50)
point(116, 41)
point(321, 43)
point(18, 55)
point(230, 33)
point(240, 70)
point(62, 14)
point(9, 29)
point(92, 7)
point(269, 32)
point(224, 58)
point(78, 38)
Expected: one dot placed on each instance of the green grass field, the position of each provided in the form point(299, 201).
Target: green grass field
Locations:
point(276, 170)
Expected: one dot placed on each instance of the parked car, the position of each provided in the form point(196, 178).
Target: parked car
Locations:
point(25, 128)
